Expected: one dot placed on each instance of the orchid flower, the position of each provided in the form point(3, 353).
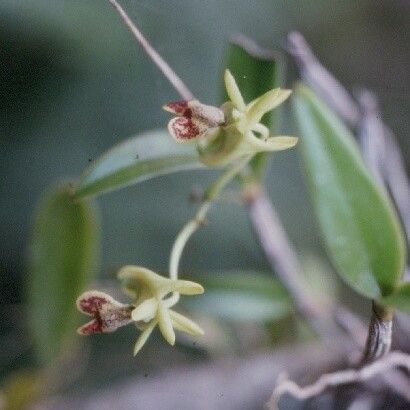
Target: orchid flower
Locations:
point(232, 131)
point(150, 306)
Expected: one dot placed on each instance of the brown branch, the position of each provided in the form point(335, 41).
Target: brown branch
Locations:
point(168, 72)
point(379, 367)
point(283, 259)
point(321, 80)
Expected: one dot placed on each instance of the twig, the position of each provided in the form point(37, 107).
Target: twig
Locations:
point(321, 80)
point(371, 136)
point(252, 48)
point(352, 324)
point(283, 259)
point(168, 72)
point(380, 367)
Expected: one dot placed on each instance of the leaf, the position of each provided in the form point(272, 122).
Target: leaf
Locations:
point(321, 281)
point(64, 251)
point(137, 159)
point(241, 296)
point(400, 299)
point(359, 226)
point(21, 389)
point(256, 71)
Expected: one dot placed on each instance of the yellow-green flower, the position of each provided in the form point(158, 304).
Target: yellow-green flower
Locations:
point(232, 131)
point(152, 307)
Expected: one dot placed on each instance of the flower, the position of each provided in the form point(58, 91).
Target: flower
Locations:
point(150, 306)
point(193, 120)
point(108, 314)
point(232, 131)
point(149, 291)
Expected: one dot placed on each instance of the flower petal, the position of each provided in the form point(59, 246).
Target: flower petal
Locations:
point(185, 287)
point(177, 107)
point(265, 103)
point(185, 129)
point(142, 280)
point(184, 324)
point(233, 91)
point(281, 142)
point(165, 324)
point(145, 311)
point(92, 301)
point(278, 143)
point(144, 336)
point(208, 114)
point(94, 326)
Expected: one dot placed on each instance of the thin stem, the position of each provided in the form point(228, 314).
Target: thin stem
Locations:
point(168, 72)
point(183, 237)
point(194, 224)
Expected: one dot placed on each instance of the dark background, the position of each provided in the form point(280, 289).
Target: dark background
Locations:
point(73, 82)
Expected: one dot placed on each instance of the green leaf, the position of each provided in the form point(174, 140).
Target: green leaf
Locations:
point(241, 296)
point(21, 389)
point(137, 159)
point(256, 71)
point(359, 226)
point(64, 250)
point(400, 299)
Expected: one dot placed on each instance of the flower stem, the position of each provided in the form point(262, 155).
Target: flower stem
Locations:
point(199, 219)
point(165, 68)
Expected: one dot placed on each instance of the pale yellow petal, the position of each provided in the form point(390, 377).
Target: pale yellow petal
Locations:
point(144, 280)
point(144, 336)
point(233, 91)
point(184, 324)
point(186, 287)
point(278, 143)
point(281, 142)
point(145, 311)
point(265, 103)
point(165, 324)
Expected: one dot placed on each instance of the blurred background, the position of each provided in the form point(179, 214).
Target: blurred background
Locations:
point(73, 82)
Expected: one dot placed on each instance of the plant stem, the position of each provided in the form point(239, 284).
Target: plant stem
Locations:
point(194, 224)
point(282, 257)
point(165, 68)
point(380, 333)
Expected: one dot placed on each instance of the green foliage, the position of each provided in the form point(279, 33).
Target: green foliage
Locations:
point(137, 159)
point(321, 282)
point(256, 71)
point(400, 299)
point(64, 251)
point(359, 226)
point(21, 389)
point(242, 296)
